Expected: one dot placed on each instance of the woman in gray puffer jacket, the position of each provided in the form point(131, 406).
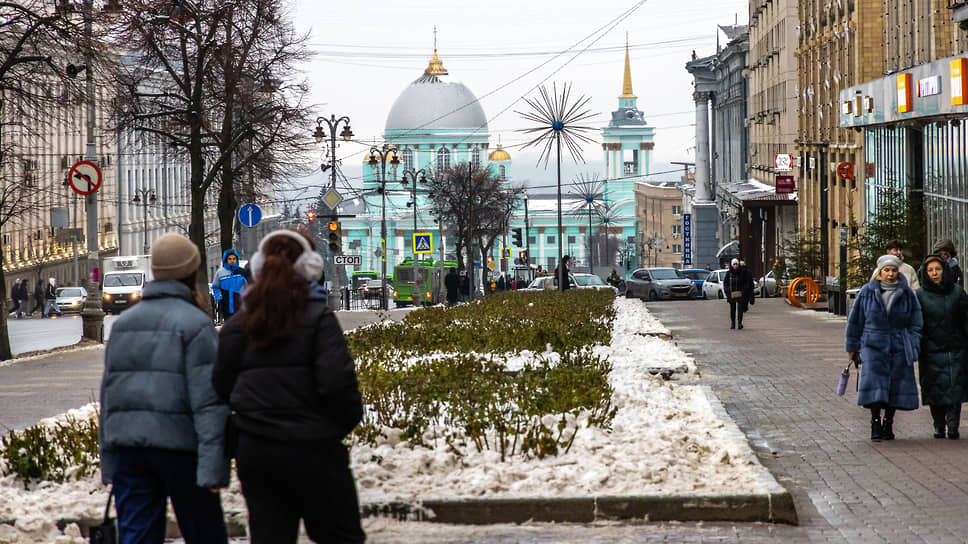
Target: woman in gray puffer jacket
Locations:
point(941, 367)
point(161, 423)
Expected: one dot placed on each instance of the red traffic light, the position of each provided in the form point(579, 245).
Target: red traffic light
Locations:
point(332, 226)
point(310, 215)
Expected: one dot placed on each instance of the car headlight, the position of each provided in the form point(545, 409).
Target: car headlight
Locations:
point(135, 294)
point(107, 296)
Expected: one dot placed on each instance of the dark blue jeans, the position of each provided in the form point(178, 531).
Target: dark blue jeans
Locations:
point(144, 478)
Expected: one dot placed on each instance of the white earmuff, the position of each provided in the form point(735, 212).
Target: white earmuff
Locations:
point(309, 265)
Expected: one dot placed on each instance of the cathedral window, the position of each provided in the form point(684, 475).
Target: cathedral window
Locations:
point(502, 173)
point(407, 159)
point(476, 158)
point(443, 159)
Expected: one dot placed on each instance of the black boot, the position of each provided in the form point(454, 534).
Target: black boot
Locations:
point(875, 429)
point(938, 419)
point(887, 426)
point(732, 324)
point(953, 419)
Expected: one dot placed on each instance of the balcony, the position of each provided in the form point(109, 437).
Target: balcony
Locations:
point(631, 168)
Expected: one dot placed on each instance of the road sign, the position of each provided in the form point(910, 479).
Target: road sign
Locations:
point(785, 185)
point(250, 215)
point(845, 170)
point(356, 260)
point(423, 242)
point(332, 199)
point(492, 265)
point(506, 253)
point(783, 161)
point(84, 177)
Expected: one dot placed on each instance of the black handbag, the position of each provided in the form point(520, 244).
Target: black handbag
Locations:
point(107, 531)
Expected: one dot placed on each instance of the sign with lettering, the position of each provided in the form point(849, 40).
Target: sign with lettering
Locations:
point(686, 239)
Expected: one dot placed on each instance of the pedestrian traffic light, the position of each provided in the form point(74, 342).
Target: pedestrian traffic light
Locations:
point(516, 237)
point(335, 237)
point(310, 216)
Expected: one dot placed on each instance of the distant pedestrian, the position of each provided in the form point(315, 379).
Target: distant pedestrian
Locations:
point(540, 272)
point(452, 283)
point(465, 286)
point(228, 284)
point(884, 330)
point(562, 273)
point(613, 279)
point(15, 298)
point(161, 423)
point(738, 290)
point(39, 297)
point(946, 250)
point(941, 364)
point(285, 369)
point(502, 283)
point(50, 299)
point(896, 248)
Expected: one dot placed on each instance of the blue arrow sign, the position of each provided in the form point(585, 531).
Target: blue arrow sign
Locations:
point(250, 215)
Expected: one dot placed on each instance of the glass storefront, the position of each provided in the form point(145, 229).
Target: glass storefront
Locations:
point(945, 183)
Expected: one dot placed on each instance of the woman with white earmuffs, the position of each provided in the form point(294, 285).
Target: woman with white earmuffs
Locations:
point(286, 371)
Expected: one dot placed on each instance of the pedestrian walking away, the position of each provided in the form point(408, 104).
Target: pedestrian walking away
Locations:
point(161, 423)
point(23, 296)
point(452, 283)
point(738, 290)
point(50, 299)
point(562, 273)
point(946, 250)
point(287, 373)
point(228, 285)
point(39, 298)
point(896, 248)
point(15, 298)
point(613, 279)
point(884, 329)
point(941, 365)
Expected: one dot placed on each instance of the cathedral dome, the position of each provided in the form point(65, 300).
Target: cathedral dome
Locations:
point(499, 154)
point(431, 104)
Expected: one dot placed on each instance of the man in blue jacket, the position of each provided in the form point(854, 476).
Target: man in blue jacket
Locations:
point(228, 284)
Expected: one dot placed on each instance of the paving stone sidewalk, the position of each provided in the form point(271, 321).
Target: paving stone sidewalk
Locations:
point(776, 378)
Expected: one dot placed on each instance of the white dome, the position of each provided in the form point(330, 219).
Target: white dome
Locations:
point(429, 103)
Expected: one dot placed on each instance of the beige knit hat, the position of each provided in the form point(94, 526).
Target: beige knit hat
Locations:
point(173, 257)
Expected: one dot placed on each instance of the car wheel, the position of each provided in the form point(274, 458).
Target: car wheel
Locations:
point(720, 295)
point(628, 293)
point(653, 296)
point(704, 296)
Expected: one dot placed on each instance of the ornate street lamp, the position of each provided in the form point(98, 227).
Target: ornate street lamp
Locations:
point(320, 134)
point(145, 197)
point(379, 157)
point(413, 176)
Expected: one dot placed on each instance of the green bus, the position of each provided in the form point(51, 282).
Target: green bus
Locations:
point(429, 276)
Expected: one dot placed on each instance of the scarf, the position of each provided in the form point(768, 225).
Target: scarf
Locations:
point(888, 290)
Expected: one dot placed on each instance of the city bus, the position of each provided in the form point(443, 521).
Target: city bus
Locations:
point(430, 277)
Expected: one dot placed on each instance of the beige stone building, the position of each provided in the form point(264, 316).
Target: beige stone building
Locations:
point(658, 210)
point(840, 44)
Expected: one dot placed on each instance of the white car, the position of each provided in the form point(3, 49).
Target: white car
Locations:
point(713, 286)
point(581, 281)
point(768, 286)
point(71, 299)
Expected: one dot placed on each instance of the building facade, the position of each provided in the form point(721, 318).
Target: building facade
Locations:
point(660, 218)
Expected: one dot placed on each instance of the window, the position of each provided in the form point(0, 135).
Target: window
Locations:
point(476, 158)
point(550, 263)
point(677, 210)
point(407, 159)
point(676, 248)
point(571, 239)
point(676, 229)
point(502, 173)
point(532, 240)
point(550, 240)
point(443, 158)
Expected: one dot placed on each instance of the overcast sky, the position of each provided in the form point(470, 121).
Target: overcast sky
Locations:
point(366, 54)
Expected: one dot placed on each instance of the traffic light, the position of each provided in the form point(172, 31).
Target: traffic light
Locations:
point(335, 237)
point(310, 216)
point(516, 237)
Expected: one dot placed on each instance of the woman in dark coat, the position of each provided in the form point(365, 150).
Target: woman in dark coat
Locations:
point(941, 367)
point(737, 280)
point(884, 328)
point(286, 371)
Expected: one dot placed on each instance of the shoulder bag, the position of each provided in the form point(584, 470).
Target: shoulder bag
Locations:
point(107, 531)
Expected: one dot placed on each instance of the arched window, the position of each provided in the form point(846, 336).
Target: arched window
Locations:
point(476, 158)
point(407, 159)
point(502, 173)
point(443, 158)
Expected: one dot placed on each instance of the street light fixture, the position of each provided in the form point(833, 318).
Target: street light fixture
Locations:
point(145, 197)
point(378, 159)
point(412, 174)
point(320, 135)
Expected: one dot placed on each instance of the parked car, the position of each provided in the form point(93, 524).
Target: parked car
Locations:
point(372, 289)
point(659, 284)
point(590, 281)
point(713, 286)
point(71, 299)
point(697, 275)
point(768, 286)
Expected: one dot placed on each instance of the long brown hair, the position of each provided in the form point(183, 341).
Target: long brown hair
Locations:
point(277, 298)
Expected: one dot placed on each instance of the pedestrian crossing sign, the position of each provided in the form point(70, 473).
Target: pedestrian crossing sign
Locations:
point(505, 253)
point(423, 242)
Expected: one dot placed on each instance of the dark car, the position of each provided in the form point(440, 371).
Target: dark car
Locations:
point(659, 284)
point(697, 275)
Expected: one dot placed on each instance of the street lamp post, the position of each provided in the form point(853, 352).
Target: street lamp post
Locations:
point(413, 175)
point(144, 197)
point(379, 157)
point(320, 134)
point(527, 238)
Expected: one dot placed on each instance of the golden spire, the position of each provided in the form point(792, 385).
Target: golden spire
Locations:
point(627, 83)
point(436, 66)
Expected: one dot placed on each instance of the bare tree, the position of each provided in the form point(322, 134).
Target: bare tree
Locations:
point(475, 204)
point(185, 78)
point(34, 38)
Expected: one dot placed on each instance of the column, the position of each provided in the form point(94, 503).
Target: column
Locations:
point(703, 193)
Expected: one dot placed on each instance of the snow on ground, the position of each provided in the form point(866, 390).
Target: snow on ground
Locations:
point(666, 439)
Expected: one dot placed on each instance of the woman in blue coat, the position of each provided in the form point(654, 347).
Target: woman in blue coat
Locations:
point(884, 328)
point(941, 367)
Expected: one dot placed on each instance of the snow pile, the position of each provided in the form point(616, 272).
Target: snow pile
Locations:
point(665, 439)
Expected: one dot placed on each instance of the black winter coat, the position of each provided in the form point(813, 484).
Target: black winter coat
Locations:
point(942, 369)
point(738, 280)
point(302, 388)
